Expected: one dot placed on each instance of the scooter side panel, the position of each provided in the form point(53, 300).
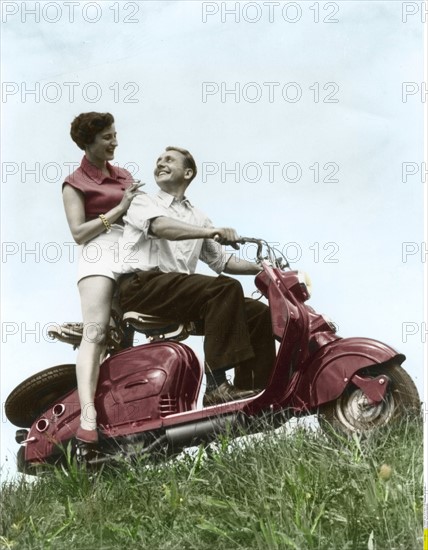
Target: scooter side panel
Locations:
point(325, 376)
point(137, 388)
point(146, 383)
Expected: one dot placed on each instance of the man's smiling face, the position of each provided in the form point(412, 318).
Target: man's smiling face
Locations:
point(170, 169)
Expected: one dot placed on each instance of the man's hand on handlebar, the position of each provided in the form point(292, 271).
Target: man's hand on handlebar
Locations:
point(226, 236)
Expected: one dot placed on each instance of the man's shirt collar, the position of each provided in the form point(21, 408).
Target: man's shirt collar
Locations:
point(168, 199)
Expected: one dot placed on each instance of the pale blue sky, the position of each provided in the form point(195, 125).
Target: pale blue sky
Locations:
point(161, 61)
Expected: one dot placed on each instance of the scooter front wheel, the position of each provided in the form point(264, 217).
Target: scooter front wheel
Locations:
point(352, 413)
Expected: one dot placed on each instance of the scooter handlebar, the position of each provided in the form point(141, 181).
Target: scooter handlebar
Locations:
point(259, 242)
point(275, 259)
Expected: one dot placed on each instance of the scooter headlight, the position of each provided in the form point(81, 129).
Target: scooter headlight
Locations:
point(305, 281)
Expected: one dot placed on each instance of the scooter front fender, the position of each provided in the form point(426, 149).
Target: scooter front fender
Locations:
point(326, 375)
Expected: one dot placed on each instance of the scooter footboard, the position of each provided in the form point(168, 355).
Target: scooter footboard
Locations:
point(325, 377)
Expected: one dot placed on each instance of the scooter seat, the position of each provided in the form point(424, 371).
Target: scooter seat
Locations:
point(142, 321)
point(158, 328)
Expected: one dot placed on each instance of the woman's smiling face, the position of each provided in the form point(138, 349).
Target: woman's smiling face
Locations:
point(103, 146)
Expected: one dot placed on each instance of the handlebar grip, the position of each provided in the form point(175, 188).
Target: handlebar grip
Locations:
point(233, 245)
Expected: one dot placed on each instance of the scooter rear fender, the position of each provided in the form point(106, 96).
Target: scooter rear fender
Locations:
point(326, 375)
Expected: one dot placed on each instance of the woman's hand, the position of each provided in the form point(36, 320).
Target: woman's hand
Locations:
point(129, 194)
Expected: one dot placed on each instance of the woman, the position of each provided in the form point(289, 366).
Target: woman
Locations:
point(96, 196)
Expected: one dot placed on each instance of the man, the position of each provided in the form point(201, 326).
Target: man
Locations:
point(164, 236)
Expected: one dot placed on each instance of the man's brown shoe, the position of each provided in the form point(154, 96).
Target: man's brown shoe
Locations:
point(226, 392)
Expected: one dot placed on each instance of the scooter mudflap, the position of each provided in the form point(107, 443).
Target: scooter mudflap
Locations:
point(373, 388)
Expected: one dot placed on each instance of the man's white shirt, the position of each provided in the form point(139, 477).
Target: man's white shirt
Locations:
point(138, 249)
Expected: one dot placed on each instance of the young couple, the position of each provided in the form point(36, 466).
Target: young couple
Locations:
point(161, 238)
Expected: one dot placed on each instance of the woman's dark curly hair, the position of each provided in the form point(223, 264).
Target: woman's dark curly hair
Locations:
point(86, 126)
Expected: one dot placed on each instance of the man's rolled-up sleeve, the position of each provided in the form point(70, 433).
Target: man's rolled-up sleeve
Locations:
point(141, 212)
point(214, 255)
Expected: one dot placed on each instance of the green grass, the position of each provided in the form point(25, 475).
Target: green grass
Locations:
point(296, 491)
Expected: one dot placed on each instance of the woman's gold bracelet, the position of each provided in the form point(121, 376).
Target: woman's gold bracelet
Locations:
point(106, 223)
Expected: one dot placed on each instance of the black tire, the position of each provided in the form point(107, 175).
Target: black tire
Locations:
point(33, 396)
point(24, 467)
point(350, 412)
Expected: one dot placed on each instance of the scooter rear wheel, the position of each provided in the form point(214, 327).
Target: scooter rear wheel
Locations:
point(351, 412)
point(34, 395)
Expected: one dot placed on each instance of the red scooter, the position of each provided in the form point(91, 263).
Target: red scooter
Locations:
point(147, 395)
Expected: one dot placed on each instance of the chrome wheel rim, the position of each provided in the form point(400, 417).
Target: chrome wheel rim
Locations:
point(356, 413)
